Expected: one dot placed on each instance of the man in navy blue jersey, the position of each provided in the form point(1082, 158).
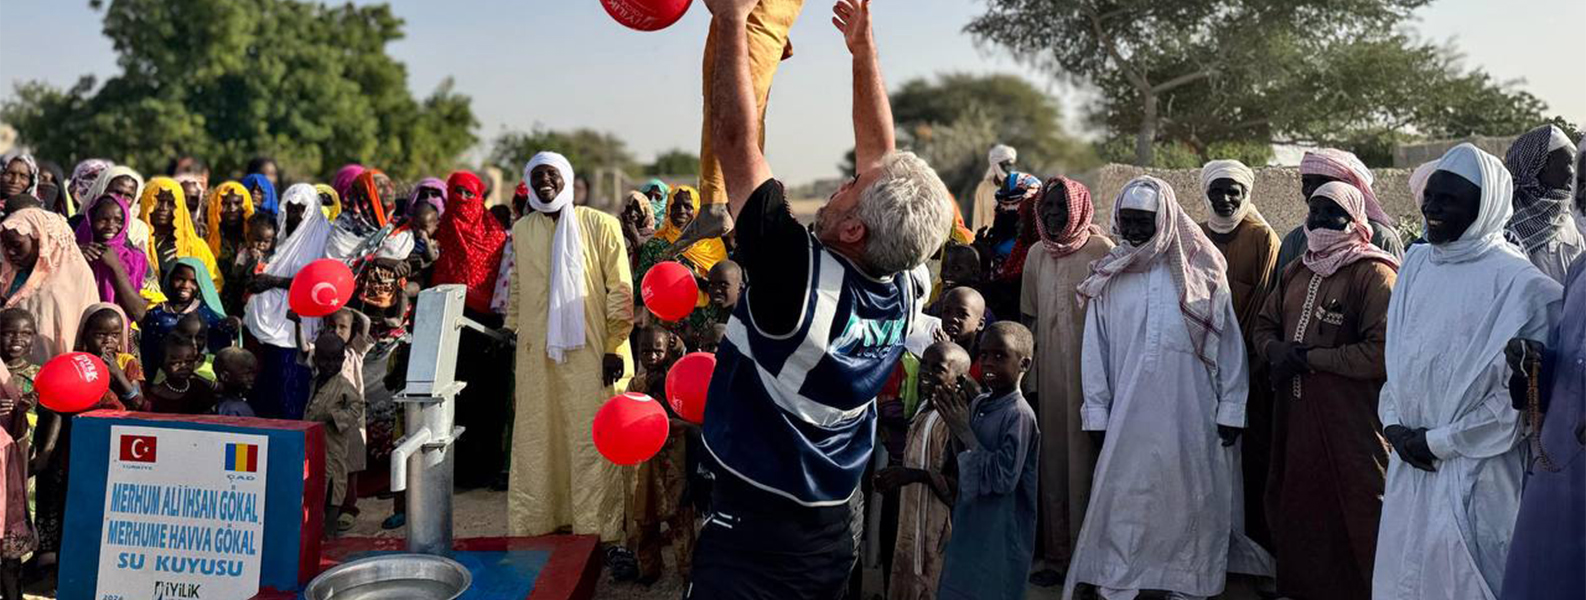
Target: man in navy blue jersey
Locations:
point(790, 422)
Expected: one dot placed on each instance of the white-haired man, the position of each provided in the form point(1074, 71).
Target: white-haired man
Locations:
point(791, 416)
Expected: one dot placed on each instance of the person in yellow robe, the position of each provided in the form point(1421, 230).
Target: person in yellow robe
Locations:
point(572, 308)
point(172, 236)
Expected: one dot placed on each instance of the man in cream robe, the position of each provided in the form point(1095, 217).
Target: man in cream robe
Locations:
point(572, 307)
point(1453, 486)
point(1069, 243)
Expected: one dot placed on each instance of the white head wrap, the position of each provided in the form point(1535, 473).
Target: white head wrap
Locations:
point(1488, 173)
point(1241, 174)
point(1000, 154)
point(266, 312)
point(564, 329)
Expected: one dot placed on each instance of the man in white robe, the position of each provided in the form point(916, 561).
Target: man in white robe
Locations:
point(1164, 376)
point(1453, 482)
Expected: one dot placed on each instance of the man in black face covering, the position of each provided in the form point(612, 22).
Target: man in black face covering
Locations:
point(1453, 481)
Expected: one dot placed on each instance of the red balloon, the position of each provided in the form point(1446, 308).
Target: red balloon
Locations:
point(646, 15)
point(669, 290)
point(630, 428)
point(687, 383)
point(72, 382)
point(320, 288)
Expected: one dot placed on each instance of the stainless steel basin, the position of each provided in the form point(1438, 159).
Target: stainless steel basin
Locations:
point(392, 577)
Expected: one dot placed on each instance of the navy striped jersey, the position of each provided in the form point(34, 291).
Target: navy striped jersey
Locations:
point(794, 415)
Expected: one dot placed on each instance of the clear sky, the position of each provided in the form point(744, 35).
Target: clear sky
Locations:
point(565, 64)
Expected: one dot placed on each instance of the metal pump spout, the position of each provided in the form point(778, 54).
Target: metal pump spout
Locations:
point(422, 463)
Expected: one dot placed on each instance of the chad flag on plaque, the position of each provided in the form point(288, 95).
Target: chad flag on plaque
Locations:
point(243, 458)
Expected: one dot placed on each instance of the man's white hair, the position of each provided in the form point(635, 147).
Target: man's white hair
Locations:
point(907, 213)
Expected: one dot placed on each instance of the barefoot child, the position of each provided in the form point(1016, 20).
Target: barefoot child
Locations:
point(340, 408)
point(352, 328)
point(235, 370)
point(927, 478)
point(661, 483)
point(998, 445)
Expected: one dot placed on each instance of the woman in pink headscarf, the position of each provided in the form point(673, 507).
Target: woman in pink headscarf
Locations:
point(342, 182)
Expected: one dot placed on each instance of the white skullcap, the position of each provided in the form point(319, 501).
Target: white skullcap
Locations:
point(1139, 197)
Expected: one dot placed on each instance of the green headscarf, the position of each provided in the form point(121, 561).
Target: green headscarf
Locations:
point(658, 205)
point(206, 285)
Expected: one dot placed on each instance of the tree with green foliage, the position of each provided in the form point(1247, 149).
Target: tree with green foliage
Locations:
point(226, 80)
point(1198, 74)
point(953, 120)
point(587, 149)
point(673, 162)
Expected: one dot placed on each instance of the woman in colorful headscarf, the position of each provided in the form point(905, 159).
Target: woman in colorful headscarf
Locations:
point(262, 191)
point(172, 226)
point(227, 213)
point(127, 183)
point(52, 189)
point(83, 177)
point(638, 224)
point(188, 291)
point(119, 268)
point(43, 271)
point(657, 191)
point(699, 258)
point(424, 212)
point(20, 175)
point(431, 191)
point(329, 200)
point(283, 385)
point(342, 181)
point(365, 229)
point(195, 187)
point(471, 244)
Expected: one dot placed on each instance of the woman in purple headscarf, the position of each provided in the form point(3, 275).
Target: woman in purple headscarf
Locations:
point(118, 267)
point(424, 209)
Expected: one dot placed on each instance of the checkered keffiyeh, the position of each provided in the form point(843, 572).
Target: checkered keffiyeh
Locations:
point(1539, 213)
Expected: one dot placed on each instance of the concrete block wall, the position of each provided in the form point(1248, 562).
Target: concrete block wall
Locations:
point(1276, 192)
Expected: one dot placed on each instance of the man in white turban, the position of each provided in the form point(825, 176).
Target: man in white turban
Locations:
point(1250, 246)
point(1000, 161)
point(571, 304)
point(1453, 483)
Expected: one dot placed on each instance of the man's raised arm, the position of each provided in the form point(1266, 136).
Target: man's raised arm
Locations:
point(735, 125)
point(873, 134)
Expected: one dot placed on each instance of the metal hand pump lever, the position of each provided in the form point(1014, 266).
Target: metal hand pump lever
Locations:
point(422, 462)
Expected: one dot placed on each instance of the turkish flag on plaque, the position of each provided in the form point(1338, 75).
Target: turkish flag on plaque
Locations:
point(138, 448)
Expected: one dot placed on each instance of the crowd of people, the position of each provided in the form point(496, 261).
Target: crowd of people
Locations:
point(1148, 407)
